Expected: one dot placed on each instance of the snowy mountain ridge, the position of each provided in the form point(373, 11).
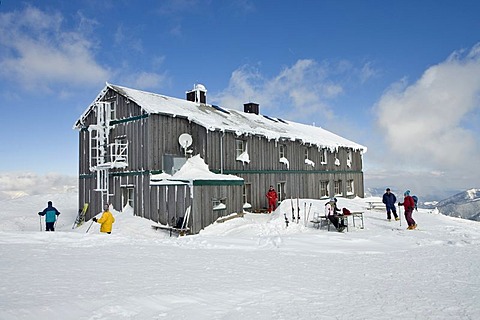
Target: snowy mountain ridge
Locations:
point(464, 205)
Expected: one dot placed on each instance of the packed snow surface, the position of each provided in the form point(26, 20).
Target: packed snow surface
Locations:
point(246, 268)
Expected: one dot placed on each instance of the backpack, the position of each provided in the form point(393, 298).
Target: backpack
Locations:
point(415, 200)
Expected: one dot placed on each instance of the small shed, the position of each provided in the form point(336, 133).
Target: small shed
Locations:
point(209, 195)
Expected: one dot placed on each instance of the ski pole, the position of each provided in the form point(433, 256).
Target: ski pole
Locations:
point(400, 214)
point(305, 213)
point(89, 227)
point(40, 217)
point(308, 215)
point(56, 220)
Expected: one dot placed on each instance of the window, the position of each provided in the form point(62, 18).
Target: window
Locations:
point(282, 150)
point(324, 189)
point(281, 191)
point(337, 187)
point(241, 151)
point(172, 164)
point(349, 158)
point(337, 160)
point(219, 204)
point(323, 156)
point(350, 189)
point(306, 153)
point(128, 194)
point(113, 110)
point(240, 147)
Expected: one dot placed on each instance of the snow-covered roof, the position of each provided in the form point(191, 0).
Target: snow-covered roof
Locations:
point(194, 171)
point(216, 118)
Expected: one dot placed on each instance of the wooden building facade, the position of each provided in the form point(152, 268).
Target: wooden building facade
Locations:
point(128, 136)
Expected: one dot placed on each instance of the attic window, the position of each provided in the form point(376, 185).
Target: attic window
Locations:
point(220, 109)
point(112, 109)
point(282, 150)
point(323, 156)
point(271, 119)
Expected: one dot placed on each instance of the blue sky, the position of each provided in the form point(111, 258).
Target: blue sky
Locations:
point(400, 77)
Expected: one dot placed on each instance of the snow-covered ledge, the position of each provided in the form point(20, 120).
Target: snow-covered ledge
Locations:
point(285, 162)
point(310, 162)
point(244, 157)
point(247, 205)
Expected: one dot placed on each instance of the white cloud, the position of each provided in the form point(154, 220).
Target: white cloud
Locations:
point(430, 129)
point(38, 51)
point(14, 184)
point(297, 92)
point(149, 80)
point(422, 123)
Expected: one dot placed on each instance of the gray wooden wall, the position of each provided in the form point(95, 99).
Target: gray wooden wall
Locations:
point(150, 136)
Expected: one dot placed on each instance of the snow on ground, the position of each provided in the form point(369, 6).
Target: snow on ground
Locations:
point(245, 268)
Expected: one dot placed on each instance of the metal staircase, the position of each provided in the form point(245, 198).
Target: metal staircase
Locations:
point(104, 155)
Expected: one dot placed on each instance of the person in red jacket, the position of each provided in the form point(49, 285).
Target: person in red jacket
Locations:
point(409, 205)
point(272, 199)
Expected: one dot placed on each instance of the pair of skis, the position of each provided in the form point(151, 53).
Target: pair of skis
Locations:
point(297, 216)
point(293, 210)
point(80, 217)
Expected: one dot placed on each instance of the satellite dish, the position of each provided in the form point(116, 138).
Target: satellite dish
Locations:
point(185, 140)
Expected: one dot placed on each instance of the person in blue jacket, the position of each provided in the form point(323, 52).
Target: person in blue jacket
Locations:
point(389, 199)
point(50, 213)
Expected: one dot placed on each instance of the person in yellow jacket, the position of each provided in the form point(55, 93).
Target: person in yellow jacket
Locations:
point(106, 220)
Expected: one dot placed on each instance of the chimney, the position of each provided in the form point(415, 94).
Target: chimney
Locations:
point(251, 107)
point(198, 94)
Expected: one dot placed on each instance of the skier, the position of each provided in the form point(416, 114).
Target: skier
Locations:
point(332, 215)
point(272, 199)
point(106, 220)
point(50, 213)
point(389, 200)
point(409, 205)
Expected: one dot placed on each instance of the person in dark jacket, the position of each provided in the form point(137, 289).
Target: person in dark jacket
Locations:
point(389, 200)
point(409, 205)
point(50, 213)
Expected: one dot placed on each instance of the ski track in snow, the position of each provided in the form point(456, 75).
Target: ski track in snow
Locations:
point(251, 267)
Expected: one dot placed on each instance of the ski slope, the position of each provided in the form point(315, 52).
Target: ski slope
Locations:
point(245, 268)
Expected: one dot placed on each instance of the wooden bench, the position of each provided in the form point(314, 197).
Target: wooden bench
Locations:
point(320, 221)
point(180, 231)
point(183, 230)
point(375, 204)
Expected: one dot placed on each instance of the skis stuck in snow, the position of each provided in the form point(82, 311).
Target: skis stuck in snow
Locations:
point(80, 217)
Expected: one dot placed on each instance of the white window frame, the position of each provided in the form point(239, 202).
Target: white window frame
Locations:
point(281, 190)
point(282, 150)
point(350, 187)
point(337, 187)
point(323, 156)
point(324, 189)
point(240, 147)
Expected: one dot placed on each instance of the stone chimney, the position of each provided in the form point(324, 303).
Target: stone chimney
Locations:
point(251, 107)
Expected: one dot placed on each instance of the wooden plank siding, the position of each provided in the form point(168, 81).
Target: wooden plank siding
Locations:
point(151, 136)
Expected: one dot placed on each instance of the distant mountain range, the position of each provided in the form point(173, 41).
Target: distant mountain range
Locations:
point(464, 205)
